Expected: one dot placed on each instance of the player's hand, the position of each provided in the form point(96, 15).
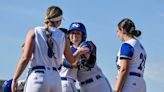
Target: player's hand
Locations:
point(82, 50)
point(14, 86)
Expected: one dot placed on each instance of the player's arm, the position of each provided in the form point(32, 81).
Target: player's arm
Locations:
point(80, 51)
point(121, 76)
point(28, 49)
point(126, 53)
point(68, 54)
point(91, 54)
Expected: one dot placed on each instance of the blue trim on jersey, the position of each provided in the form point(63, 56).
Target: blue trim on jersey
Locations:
point(86, 44)
point(67, 64)
point(126, 51)
point(73, 49)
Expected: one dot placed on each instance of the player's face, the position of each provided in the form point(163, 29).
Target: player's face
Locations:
point(57, 23)
point(75, 37)
point(120, 33)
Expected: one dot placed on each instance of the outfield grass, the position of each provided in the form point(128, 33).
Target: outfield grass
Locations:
point(1, 82)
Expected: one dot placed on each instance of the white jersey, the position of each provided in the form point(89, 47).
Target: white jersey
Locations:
point(83, 74)
point(134, 51)
point(40, 55)
point(69, 72)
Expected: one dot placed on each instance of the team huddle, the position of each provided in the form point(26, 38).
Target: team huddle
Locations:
point(59, 58)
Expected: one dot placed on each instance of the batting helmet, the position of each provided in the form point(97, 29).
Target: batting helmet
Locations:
point(79, 27)
point(7, 86)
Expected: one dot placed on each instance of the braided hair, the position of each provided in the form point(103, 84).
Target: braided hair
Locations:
point(52, 13)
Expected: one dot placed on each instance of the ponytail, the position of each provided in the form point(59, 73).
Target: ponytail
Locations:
point(137, 33)
point(129, 27)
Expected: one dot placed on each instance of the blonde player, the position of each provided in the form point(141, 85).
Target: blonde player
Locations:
point(130, 59)
point(47, 44)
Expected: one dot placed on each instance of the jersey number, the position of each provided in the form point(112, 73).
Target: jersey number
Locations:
point(142, 64)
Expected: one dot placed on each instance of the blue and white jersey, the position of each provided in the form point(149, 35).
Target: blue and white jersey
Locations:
point(41, 53)
point(83, 74)
point(87, 44)
point(66, 71)
point(134, 51)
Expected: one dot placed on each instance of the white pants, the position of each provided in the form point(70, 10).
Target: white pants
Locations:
point(43, 80)
point(68, 85)
point(134, 84)
point(97, 85)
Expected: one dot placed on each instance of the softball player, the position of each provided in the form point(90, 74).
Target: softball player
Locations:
point(67, 72)
point(130, 59)
point(47, 44)
point(93, 80)
point(90, 80)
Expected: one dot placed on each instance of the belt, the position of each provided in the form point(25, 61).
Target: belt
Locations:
point(65, 78)
point(90, 80)
point(43, 67)
point(135, 74)
point(60, 67)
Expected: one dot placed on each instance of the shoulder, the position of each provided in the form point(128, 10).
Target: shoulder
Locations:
point(31, 32)
point(85, 44)
point(88, 44)
point(126, 46)
point(126, 50)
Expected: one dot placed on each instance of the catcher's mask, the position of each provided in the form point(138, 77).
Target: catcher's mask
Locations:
point(79, 27)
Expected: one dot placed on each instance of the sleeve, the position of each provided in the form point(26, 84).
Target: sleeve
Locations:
point(67, 64)
point(73, 50)
point(126, 51)
point(86, 44)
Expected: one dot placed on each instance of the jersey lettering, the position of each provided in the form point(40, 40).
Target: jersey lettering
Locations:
point(143, 59)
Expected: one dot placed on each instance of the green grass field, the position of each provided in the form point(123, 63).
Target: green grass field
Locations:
point(1, 82)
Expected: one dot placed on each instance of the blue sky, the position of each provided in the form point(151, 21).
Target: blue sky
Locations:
point(100, 18)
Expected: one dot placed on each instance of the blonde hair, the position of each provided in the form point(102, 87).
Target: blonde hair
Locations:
point(52, 12)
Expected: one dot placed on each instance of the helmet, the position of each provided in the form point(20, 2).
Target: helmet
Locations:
point(7, 86)
point(80, 27)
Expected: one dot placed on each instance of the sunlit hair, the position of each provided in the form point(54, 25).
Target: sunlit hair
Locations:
point(129, 27)
point(52, 14)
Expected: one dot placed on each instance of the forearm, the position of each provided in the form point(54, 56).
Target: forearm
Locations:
point(121, 77)
point(20, 68)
